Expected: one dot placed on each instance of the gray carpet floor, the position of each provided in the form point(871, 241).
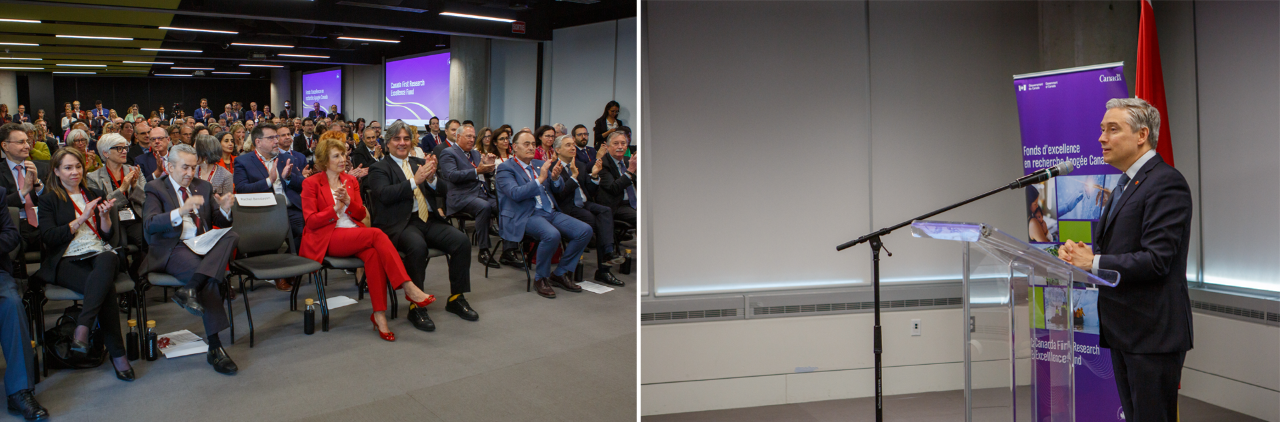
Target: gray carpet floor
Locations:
point(943, 406)
point(528, 358)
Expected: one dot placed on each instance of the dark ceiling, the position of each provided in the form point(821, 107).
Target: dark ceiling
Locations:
point(312, 31)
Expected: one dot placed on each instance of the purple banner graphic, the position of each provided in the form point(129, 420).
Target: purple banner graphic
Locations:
point(1059, 114)
point(418, 89)
point(321, 87)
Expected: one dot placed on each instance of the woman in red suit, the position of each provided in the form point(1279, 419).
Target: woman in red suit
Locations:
point(333, 210)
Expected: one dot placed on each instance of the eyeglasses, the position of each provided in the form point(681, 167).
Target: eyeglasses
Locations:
point(159, 138)
point(271, 138)
point(120, 149)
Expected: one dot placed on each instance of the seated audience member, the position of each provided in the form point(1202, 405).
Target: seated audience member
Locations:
point(502, 144)
point(21, 116)
point(77, 233)
point(253, 114)
point(463, 168)
point(561, 130)
point(526, 186)
point(377, 131)
point(265, 169)
point(22, 181)
point(152, 164)
point(584, 153)
point(133, 115)
point(201, 130)
point(334, 114)
point(284, 139)
point(607, 123)
point(238, 135)
point(573, 200)
point(79, 140)
point(404, 190)
point(367, 152)
point(267, 114)
point(433, 136)
point(15, 337)
point(417, 151)
point(305, 140)
point(229, 152)
point(39, 149)
point(124, 184)
point(546, 136)
point(42, 128)
point(334, 211)
point(450, 137)
point(180, 206)
point(127, 131)
point(210, 152)
point(617, 178)
point(187, 133)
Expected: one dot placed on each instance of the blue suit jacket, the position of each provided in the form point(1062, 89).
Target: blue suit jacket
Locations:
point(429, 141)
point(147, 163)
point(587, 155)
point(250, 175)
point(460, 179)
point(202, 114)
point(516, 193)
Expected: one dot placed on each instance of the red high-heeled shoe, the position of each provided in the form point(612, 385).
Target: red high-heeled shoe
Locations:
point(388, 336)
point(422, 304)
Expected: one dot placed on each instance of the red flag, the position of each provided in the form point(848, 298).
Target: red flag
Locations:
point(1149, 82)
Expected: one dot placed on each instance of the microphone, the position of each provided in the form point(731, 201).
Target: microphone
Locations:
point(1062, 169)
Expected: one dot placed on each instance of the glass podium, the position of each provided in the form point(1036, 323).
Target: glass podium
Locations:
point(1020, 319)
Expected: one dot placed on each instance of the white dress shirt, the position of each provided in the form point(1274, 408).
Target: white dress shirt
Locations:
point(175, 218)
point(13, 169)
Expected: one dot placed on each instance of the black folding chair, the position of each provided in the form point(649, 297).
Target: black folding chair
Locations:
point(262, 231)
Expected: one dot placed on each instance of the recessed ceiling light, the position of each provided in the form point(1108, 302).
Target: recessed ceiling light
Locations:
point(94, 37)
point(367, 39)
point(78, 73)
point(487, 18)
point(191, 68)
point(309, 56)
point(130, 70)
point(82, 65)
point(244, 44)
point(231, 73)
point(133, 62)
point(173, 50)
point(20, 43)
point(19, 58)
point(20, 68)
point(174, 28)
point(172, 74)
point(261, 65)
point(19, 20)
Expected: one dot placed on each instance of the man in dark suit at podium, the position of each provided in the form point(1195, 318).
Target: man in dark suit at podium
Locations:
point(1143, 234)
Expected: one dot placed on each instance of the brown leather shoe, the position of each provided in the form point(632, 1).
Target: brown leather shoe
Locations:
point(543, 287)
point(284, 285)
point(565, 282)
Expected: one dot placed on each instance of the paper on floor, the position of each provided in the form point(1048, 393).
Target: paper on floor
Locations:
point(182, 343)
point(594, 287)
point(340, 301)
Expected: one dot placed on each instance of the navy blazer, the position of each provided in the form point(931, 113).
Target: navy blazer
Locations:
point(158, 230)
point(516, 193)
point(202, 114)
point(10, 239)
point(587, 155)
point(147, 162)
point(460, 180)
point(251, 176)
point(1147, 242)
point(429, 141)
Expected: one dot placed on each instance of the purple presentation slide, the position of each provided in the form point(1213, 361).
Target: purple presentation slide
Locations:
point(418, 89)
point(323, 87)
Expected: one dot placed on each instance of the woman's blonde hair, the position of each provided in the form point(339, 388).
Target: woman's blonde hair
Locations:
point(329, 141)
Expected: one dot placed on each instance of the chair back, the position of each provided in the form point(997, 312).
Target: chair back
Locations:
point(261, 229)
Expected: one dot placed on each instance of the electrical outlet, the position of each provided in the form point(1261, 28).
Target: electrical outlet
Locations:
point(915, 327)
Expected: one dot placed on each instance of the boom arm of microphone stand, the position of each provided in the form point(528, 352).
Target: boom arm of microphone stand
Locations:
point(890, 229)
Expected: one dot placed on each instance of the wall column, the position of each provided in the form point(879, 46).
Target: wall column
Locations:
point(468, 80)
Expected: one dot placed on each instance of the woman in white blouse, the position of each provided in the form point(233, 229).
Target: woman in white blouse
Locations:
point(77, 228)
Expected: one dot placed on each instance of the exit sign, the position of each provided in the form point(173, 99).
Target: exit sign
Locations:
point(517, 27)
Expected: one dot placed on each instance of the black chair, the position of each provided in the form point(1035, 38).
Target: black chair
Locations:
point(262, 231)
point(29, 298)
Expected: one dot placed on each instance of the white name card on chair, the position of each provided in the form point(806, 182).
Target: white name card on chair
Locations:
point(264, 199)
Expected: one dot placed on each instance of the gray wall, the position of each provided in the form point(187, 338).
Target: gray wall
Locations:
point(513, 83)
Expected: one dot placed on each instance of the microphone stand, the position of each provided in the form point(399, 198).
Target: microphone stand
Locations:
point(873, 239)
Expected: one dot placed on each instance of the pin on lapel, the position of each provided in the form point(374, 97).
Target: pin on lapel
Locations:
point(1136, 182)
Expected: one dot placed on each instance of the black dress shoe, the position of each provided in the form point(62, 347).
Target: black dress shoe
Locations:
point(222, 362)
point(607, 277)
point(509, 258)
point(125, 375)
point(461, 308)
point(186, 298)
point(565, 282)
point(24, 403)
point(420, 319)
point(487, 260)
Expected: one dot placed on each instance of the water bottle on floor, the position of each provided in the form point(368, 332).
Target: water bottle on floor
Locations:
point(153, 349)
point(309, 318)
point(131, 340)
point(625, 268)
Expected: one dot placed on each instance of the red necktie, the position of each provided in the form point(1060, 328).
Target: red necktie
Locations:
point(194, 216)
point(27, 204)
